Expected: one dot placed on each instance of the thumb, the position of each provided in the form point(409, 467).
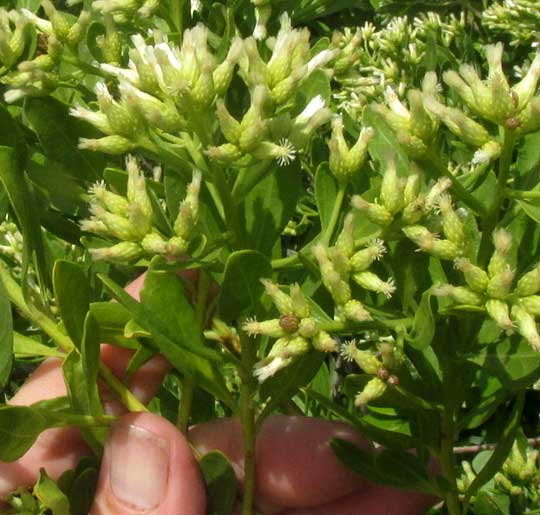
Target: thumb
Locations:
point(148, 468)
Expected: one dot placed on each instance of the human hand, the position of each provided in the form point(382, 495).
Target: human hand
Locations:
point(148, 466)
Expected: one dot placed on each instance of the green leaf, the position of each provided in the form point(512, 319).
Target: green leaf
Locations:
point(424, 324)
point(19, 428)
point(21, 198)
point(326, 188)
point(242, 288)
point(111, 318)
point(491, 503)
point(23, 346)
point(159, 297)
point(6, 337)
point(503, 448)
point(270, 205)
point(531, 208)
point(59, 134)
point(50, 496)
point(220, 481)
point(529, 154)
point(399, 469)
point(73, 297)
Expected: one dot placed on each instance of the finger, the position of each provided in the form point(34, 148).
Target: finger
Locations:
point(148, 468)
point(296, 466)
point(56, 450)
point(374, 500)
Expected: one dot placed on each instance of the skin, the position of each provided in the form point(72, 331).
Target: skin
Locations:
point(297, 473)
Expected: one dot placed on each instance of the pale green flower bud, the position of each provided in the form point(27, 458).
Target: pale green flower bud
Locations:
point(176, 246)
point(476, 278)
point(95, 226)
point(500, 284)
point(122, 121)
point(422, 124)
point(148, 7)
point(323, 342)
point(252, 135)
point(458, 122)
point(373, 390)
point(60, 22)
point(356, 312)
point(308, 327)
point(119, 253)
point(452, 225)
point(203, 92)
point(78, 29)
point(230, 127)
point(162, 115)
point(502, 102)
point(7, 56)
point(397, 107)
point(111, 43)
point(366, 360)
point(356, 156)
point(529, 117)
point(397, 122)
point(444, 249)
point(153, 243)
point(226, 335)
point(255, 113)
point(483, 97)
point(526, 326)
point(432, 198)
point(391, 189)
point(262, 14)
point(413, 145)
point(499, 259)
point(252, 67)
point(281, 355)
point(331, 278)
point(281, 300)
point(284, 89)
point(226, 153)
point(372, 282)
point(139, 220)
point(340, 262)
point(270, 328)
point(506, 485)
point(521, 463)
point(146, 70)
point(498, 311)
point(531, 304)
point(115, 145)
point(363, 259)
point(420, 235)
point(413, 212)
point(487, 153)
point(529, 284)
point(526, 88)
point(116, 6)
point(112, 202)
point(41, 24)
point(456, 83)
point(338, 151)
point(136, 189)
point(458, 294)
point(376, 213)
point(97, 119)
point(299, 303)
point(345, 240)
point(223, 73)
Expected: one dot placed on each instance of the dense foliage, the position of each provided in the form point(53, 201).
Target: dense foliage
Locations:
point(359, 179)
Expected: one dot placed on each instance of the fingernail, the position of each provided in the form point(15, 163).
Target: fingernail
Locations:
point(139, 467)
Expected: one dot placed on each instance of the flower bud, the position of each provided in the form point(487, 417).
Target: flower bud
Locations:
point(96, 118)
point(311, 118)
point(223, 73)
point(95, 226)
point(452, 225)
point(374, 389)
point(366, 360)
point(376, 213)
point(476, 278)
point(284, 152)
point(356, 156)
point(413, 212)
point(487, 153)
point(280, 356)
point(455, 82)
point(226, 153)
point(308, 327)
point(529, 283)
point(323, 342)
point(299, 303)
point(432, 197)
point(498, 311)
point(115, 145)
point(412, 187)
point(136, 188)
point(77, 30)
point(526, 88)
point(112, 202)
point(281, 300)
point(119, 253)
point(420, 235)
point(331, 278)
point(356, 312)
point(363, 259)
point(230, 127)
point(500, 284)
point(531, 304)
point(444, 249)
point(148, 7)
point(60, 22)
point(345, 240)
point(203, 92)
point(526, 326)
point(252, 135)
point(372, 282)
point(271, 328)
point(499, 259)
point(458, 294)
point(423, 125)
point(111, 43)
point(340, 262)
point(153, 243)
point(391, 189)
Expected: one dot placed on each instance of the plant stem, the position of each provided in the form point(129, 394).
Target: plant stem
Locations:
point(446, 458)
point(327, 235)
point(188, 384)
point(247, 405)
point(523, 195)
point(63, 341)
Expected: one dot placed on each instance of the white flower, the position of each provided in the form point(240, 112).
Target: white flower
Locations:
point(130, 74)
point(320, 60)
point(267, 368)
point(13, 95)
point(348, 350)
point(315, 105)
point(285, 153)
point(195, 6)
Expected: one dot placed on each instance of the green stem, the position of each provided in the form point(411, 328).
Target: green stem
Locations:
point(248, 389)
point(336, 210)
point(287, 262)
point(188, 384)
point(459, 190)
point(446, 458)
point(63, 341)
point(522, 195)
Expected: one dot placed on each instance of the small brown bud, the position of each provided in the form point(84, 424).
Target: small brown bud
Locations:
point(512, 123)
point(515, 98)
point(383, 374)
point(289, 323)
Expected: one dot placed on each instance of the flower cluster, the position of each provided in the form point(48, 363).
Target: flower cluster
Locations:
point(12, 37)
point(296, 330)
point(510, 306)
point(130, 220)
